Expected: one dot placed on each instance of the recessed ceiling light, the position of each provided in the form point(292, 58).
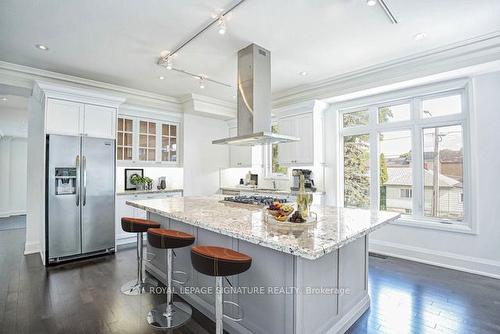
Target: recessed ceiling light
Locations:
point(303, 73)
point(42, 47)
point(4, 98)
point(420, 36)
point(371, 2)
point(162, 77)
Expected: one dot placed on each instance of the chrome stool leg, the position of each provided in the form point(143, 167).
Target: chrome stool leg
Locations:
point(138, 286)
point(171, 314)
point(219, 306)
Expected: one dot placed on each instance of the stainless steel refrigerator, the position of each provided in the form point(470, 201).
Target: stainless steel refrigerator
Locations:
point(80, 198)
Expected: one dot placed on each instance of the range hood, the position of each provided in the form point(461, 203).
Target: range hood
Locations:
point(254, 100)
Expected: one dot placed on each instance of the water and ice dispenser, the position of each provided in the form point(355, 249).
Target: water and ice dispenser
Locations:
point(65, 179)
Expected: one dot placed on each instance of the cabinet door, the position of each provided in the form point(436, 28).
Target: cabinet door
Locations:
point(239, 156)
point(100, 121)
point(122, 210)
point(286, 126)
point(303, 152)
point(64, 117)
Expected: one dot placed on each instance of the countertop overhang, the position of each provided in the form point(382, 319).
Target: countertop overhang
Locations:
point(336, 226)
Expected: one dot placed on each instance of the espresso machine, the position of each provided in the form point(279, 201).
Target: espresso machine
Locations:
point(308, 179)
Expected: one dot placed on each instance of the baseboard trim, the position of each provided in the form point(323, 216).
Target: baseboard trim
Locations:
point(469, 264)
point(11, 213)
point(31, 248)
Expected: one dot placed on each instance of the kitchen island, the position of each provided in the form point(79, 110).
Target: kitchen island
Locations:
point(313, 281)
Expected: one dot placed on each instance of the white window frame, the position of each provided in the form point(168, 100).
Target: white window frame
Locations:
point(416, 125)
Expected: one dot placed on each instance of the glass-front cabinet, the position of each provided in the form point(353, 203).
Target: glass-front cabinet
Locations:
point(168, 142)
point(124, 139)
point(146, 141)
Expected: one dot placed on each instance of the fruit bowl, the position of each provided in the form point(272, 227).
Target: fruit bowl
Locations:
point(273, 221)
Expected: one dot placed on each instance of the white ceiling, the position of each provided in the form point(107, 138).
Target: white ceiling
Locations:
point(118, 41)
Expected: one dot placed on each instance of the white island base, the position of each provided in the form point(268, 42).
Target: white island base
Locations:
point(299, 296)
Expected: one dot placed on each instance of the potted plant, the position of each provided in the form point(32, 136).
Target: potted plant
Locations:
point(138, 182)
point(148, 182)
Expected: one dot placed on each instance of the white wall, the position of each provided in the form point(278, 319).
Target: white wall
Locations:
point(174, 176)
point(202, 160)
point(474, 253)
point(35, 232)
point(13, 156)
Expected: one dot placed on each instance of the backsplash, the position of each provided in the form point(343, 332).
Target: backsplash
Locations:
point(174, 176)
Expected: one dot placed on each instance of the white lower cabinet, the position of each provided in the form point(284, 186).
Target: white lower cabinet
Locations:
point(124, 210)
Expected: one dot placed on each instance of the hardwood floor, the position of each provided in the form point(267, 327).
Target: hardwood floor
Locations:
point(406, 297)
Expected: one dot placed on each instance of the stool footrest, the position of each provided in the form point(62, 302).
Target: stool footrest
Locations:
point(240, 311)
point(182, 273)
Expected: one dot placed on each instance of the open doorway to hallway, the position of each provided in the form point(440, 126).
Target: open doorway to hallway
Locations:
point(13, 159)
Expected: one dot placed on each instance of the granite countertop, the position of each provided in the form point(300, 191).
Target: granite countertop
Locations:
point(145, 192)
point(336, 226)
point(265, 191)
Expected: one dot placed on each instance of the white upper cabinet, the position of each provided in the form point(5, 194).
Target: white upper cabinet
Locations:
point(75, 118)
point(64, 117)
point(239, 156)
point(99, 121)
point(147, 141)
point(301, 152)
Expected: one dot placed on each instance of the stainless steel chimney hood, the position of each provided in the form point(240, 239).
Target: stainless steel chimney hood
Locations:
point(254, 100)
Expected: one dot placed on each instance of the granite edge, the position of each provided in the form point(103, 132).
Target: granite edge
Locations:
point(295, 252)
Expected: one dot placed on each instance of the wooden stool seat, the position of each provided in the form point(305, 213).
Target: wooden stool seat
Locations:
point(137, 225)
point(168, 239)
point(219, 261)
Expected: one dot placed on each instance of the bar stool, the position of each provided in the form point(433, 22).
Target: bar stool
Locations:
point(219, 262)
point(138, 226)
point(170, 314)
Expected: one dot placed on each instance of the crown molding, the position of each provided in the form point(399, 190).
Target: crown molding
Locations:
point(478, 50)
point(208, 106)
point(25, 76)
point(78, 93)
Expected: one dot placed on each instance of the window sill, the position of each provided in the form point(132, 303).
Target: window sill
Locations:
point(434, 225)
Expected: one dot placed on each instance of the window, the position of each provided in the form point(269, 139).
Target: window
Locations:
point(408, 156)
point(147, 141)
point(124, 139)
point(357, 171)
point(407, 193)
point(395, 171)
point(355, 118)
point(394, 113)
point(276, 167)
point(443, 172)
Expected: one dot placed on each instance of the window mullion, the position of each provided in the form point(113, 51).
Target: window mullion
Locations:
point(417, 160)
point(374, 160)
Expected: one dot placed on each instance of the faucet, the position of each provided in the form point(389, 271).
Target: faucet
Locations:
point(274, 184)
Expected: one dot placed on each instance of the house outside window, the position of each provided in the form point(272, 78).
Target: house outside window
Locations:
point(406, 193)
point(408, 155)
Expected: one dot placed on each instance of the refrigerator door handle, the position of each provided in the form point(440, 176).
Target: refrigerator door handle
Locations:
point(84, 180)
point(77, 180)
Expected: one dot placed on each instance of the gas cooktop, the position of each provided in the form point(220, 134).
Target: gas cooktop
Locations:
point(254, 200)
